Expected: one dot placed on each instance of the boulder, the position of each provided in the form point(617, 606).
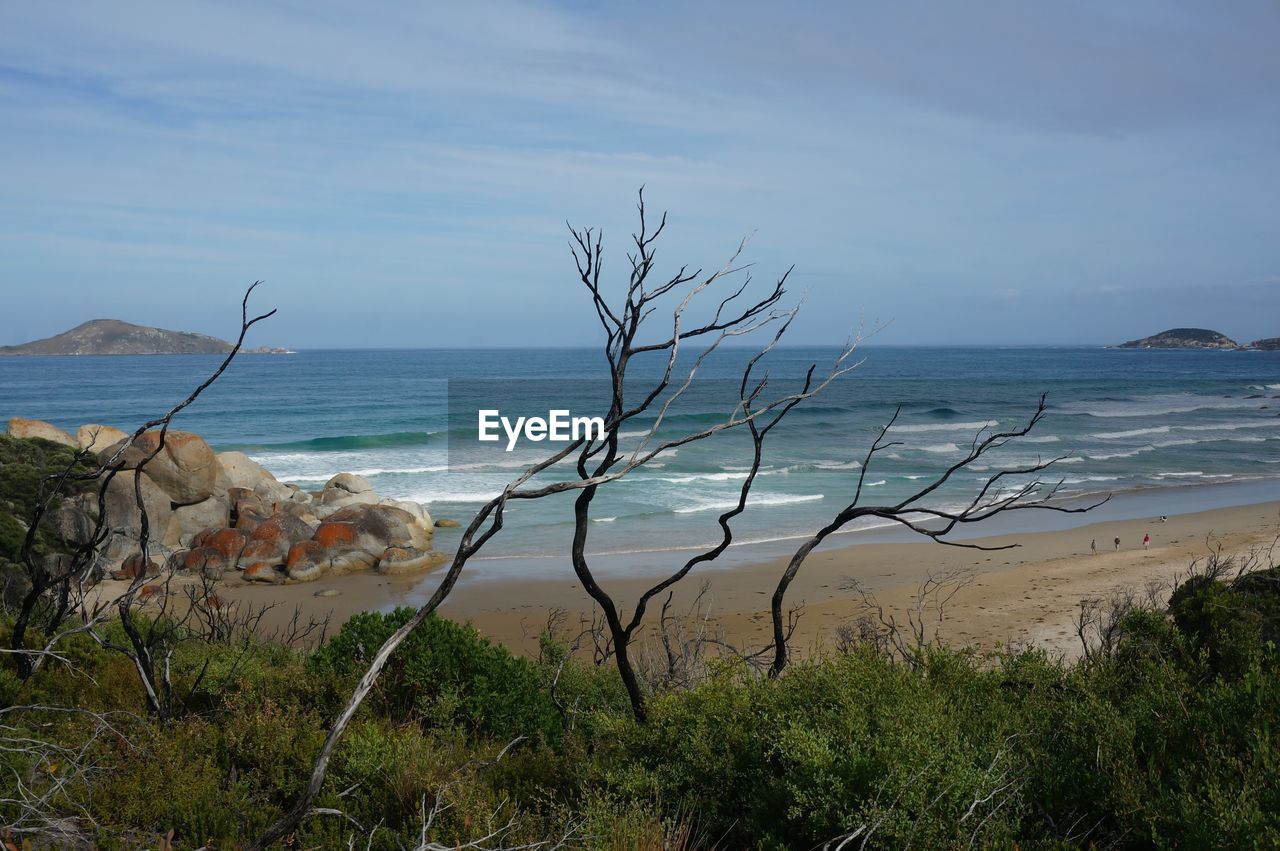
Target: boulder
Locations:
point(123, 516)
point(23, 427)
point(135, 566)
point(261, 552)
point(262, 572)
point(72, 522)
point(349, 562)
point(281, 531)
point(302, 512)
point(230, 543)
point(99, 437)
point(306, 561)
point(241, 471)
point(397, 560)
point(336, 498)
point(248, 519)
point(185, 467)
point(272, 494)
point(415, 508)
point(382, 526)
point(346, 489)
point(446, 523)
point(190, 520)
point(207, 561)
point(349, 482)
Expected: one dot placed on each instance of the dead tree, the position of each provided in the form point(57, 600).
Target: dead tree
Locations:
point(58, 589)
point(916, 514)
point(601, 461)
point(924, 614)
point(623, 344)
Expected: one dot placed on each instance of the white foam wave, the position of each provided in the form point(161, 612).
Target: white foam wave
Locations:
point(762, 499)
point(603, 519)
point(939, 447)
point(700, 477)
point(431, 497)
point(837, 465)
point(1107, 456)
point(1137, 432)
point(877, 484)
point(915, 429)
point(1040, 438)
point(377, 471)
point(1231, 426)
point(1156, 406)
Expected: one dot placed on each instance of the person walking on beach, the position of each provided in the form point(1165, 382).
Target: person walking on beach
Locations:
point(1117, 544)
point(1093, 546)
point(1146, 539)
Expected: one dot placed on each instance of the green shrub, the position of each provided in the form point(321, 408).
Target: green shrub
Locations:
point(443, 674)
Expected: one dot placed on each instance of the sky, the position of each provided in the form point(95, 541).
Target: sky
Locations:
point(401, 174)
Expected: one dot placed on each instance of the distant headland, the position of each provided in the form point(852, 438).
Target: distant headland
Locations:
point(1197, 338)
point(113, 337)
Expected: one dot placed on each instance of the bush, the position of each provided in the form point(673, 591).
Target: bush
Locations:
point(443, 674)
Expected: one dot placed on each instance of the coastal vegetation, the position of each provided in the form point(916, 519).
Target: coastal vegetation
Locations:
point(1166, 734)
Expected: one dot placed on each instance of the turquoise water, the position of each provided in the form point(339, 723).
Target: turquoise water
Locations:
point(1124, 420)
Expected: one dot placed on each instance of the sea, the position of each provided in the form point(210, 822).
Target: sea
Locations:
point(1179, 428)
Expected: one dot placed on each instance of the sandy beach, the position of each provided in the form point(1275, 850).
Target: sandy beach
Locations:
point(1019, 596)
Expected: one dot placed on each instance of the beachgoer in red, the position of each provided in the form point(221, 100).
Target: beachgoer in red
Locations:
point(1146, 539)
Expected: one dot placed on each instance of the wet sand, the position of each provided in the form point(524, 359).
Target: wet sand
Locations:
point(1025, 595)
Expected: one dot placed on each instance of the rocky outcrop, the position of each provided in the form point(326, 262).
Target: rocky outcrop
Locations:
point(1183, 338)
point(181, 463)
point(363, 536)
point(241, 471)
point(123, 517)
point(1270, 344)
point(22, 427)
point(190, 520)
point(99, 437)
point(218, 514)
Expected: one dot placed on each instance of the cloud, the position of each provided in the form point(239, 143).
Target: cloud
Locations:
point(368, 158)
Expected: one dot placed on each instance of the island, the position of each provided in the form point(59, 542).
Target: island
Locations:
point(1270, 344)
point(1184, 338)
point(114, 337)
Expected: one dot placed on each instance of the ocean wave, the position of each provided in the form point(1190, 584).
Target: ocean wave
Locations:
point(1108, 456)
point(877, 484)
point(603, 519)
point(1231, 426)
point(916, 428)
point(938, 448)
point(1137, 432)
point(700, 477)
point(431, 497)
point(755, 500)
point(348, 442)
point(1039, 438)
point(837, 465)
point(371, 472)
point(1155, 406)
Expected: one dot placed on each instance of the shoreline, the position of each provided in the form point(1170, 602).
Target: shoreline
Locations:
point(1020, 596)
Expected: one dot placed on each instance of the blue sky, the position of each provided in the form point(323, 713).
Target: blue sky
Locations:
point(401, 174)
